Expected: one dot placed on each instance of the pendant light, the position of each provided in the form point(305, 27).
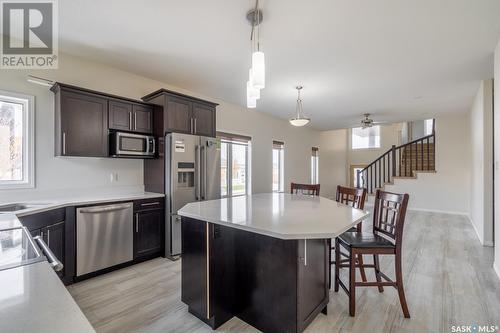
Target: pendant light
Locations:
point(299, 119)
point(257, 73)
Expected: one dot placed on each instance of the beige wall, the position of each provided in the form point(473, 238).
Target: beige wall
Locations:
point(264, 129)
point(80, 174)
point(497, 158)
point(481, 129)
point(333, 161)
point(447, 190)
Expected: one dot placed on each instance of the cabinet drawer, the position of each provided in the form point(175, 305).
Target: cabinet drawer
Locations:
point(155, 203)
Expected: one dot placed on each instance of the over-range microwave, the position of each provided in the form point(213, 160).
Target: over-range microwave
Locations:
point(123, 144)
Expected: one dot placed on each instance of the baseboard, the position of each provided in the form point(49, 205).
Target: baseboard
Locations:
point(370, 204)
point(481, 239)
point(475, 229)
point(450, 212)
point(496, 267)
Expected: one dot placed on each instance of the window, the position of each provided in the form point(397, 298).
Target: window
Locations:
point(315, 165)
point(235, 164)
point(428, 126)
point(365, 138)
point(278, 162)
point(16, 140)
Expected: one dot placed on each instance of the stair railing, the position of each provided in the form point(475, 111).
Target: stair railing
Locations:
point(400, 161)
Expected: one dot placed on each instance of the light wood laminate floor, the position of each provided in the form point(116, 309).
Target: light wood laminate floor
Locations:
point(448, 279)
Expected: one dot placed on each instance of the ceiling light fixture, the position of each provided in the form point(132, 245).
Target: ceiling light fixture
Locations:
point(299, 119)
point(257, 73)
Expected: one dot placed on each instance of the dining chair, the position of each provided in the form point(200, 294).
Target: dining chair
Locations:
point(306, 189)
point(386, 239)
point(356, 198)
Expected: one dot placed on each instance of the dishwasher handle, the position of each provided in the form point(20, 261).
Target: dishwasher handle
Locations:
point(104, 209)
point(53, 261)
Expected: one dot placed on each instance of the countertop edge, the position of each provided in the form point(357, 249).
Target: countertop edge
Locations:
point(77, 202)
point(272, 233)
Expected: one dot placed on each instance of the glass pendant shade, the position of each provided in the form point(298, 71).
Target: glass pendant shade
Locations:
point(258, 70)
point(252, 92)
point(299, 121)
point(251, 103)
point(252, 96)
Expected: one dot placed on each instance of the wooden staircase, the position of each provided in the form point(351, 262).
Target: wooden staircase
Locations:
point(403, 161)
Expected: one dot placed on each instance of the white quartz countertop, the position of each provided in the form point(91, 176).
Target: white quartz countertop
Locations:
point(33, 299)
point(71, 199)
point(279, 215)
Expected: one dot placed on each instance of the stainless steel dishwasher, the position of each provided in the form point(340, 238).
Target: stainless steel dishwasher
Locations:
point(104, 237)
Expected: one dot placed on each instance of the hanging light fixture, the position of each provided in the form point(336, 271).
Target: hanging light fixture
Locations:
point(257, 73)
point(299, 119)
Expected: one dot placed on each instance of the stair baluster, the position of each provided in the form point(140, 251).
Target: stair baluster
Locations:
point(398, 162)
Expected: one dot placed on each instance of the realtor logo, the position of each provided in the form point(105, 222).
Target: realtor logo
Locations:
point(29, 34)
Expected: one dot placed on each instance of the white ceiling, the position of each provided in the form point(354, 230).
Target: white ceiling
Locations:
point(396, 59)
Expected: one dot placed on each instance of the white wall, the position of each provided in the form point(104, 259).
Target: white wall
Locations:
point(333, 161)
point(87, 174)
point(447, 190)
point(497, 158)
point(481, 129)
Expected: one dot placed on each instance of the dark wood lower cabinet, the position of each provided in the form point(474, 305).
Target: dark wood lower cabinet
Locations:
point(148, 233)
point(272, 284)
point(51, 226)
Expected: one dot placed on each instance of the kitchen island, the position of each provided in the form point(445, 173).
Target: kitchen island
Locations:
point(263, 258)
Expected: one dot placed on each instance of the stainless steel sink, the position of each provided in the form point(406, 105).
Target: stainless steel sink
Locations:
point(15, 207)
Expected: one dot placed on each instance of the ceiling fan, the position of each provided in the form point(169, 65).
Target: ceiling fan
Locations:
point(368, 122)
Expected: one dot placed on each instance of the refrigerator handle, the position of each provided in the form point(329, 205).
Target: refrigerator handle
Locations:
point(197, 172)
point(203, 172)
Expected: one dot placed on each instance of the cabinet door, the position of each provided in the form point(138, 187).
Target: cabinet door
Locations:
point(120, 115)
point(178, 115)
point(36, 232)
point(53, 236)
point(204, 120)
point(148, 232)
point(143, 118)
point(84, 125)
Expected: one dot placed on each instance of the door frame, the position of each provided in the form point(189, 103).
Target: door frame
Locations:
point(351, 172)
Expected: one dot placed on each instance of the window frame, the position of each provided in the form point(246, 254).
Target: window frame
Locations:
point(315, 165)
point(240, 140)
point(369, 148)
point(280, 147)
point(28, 146)
point(430, 121)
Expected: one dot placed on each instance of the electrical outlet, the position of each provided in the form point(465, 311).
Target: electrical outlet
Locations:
point(111, 177)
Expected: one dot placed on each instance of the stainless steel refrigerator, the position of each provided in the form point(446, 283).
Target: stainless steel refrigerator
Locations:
point(192, 173)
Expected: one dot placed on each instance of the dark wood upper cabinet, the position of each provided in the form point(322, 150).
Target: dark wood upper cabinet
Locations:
point(142, 118)
point(204, 119)
point(126, 116)
point(84, 117)
point(81, 124)
point(120, 115)
point(184, 114)
point(177, 116)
